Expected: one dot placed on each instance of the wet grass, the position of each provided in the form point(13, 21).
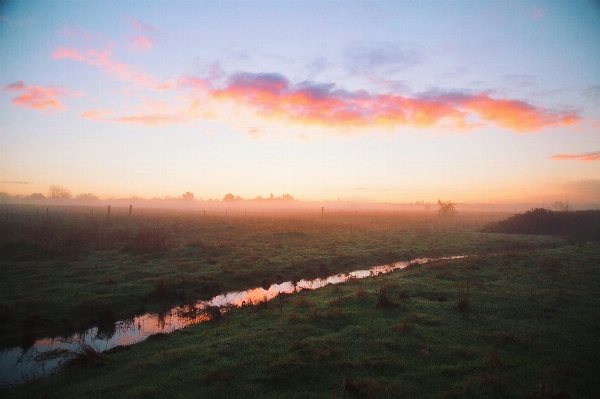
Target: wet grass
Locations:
point(74, 270)
point(532, 332)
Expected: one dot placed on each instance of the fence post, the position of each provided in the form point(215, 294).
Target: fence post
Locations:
point(130, 206)
point(108, 211)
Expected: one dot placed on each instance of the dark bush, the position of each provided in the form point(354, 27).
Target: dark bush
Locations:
point(575, 226)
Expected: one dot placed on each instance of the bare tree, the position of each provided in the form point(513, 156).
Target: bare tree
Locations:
point(57, 191)
point(446, 208)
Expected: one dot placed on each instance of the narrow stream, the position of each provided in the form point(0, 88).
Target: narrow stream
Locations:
point(46, 355)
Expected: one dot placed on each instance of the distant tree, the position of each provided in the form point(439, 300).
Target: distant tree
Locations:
point(231, 197)
point(87, 197)
point(446, 208)
point(562, 206)
point(37, 196)
point(57, 191)
point(188, 196)
point(287, 197)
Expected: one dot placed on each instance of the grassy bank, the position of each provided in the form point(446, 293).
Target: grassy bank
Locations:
point(74, 269)
point(526, 326)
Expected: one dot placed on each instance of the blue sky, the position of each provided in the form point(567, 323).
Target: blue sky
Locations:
point(377, 101)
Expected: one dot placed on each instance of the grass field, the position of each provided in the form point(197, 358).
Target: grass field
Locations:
point(73, 270)
point(517, 320)
point(527, 328)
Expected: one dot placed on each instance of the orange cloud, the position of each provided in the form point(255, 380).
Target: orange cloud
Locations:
point(102, 59)
point(97, 114)
point(272, 95)
point(150, 115)
point(516, 115)
point(140, 43)
point(586, 156)
point(38, 97)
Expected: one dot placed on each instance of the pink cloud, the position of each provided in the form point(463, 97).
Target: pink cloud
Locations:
point(67, 53)
point(516, 115)
point(103, 60)
point(97, 114)
point(16, 86)
point(586, 156)
point(142, 27)
point(142, 119)
point(140, 43)
point(272, 95)
point(165, 86)
point(149, 113)
point(39, 97)
point(193, 82)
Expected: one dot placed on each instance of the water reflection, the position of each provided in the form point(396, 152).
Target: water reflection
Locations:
point(46, 355)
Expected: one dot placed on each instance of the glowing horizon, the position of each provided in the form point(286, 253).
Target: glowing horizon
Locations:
point(379, 102)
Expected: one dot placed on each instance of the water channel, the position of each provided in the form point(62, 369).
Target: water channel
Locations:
point(46, 355)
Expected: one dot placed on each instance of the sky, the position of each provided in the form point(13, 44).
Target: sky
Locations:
point(398, 101)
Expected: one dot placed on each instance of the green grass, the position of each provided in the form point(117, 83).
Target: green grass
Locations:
point(530, 330)
point(74, 270)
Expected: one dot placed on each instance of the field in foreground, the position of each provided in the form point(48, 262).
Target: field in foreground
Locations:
point(76, 268)
point(526, 326)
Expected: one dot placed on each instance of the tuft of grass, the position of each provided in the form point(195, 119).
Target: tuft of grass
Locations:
point(216, 377)
point(462, 301)
point(150, 238)
point(82, 354)
point(366, 388)
point(405, 326)
point(294, 317)
point(301, 303)
point(546, 391)
point(214, 313)
point(383, 299)
point(160, 289)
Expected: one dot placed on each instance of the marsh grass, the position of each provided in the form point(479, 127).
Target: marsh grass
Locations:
point(83, 354)
point(78, 354)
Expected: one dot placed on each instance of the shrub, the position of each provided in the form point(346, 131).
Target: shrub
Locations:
point(383, 300)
